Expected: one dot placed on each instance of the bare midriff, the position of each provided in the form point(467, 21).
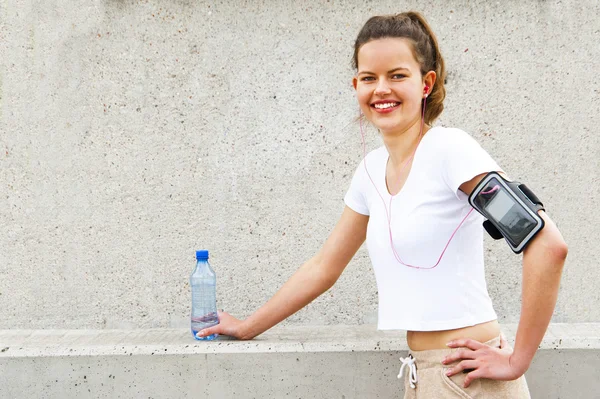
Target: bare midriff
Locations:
point(425, 340)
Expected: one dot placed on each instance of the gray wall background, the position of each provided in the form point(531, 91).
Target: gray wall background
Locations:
point(134, 132)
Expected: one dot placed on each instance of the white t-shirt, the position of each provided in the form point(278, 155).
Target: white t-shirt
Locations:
point(425, 213)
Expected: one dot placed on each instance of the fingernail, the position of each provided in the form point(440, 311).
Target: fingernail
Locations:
point(200, 334)
point(448, 373)
point(450, 343)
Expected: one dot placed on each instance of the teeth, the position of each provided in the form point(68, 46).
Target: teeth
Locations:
point(385, 105)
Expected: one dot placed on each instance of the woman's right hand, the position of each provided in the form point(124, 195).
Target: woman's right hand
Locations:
point(228, 325)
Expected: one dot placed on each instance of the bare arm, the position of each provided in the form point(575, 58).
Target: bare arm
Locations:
point(543, 262)
point(312, 279)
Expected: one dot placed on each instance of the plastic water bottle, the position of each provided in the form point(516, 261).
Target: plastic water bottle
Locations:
point(203, 282)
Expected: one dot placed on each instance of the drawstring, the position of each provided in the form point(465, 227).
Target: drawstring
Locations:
point(412, 370)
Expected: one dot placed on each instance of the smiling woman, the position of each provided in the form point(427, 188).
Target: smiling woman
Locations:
point(420, 42)
point(389, 85)
point(427, 254)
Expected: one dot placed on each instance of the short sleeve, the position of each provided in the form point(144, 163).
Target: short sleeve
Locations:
point(464, 159)
point(355, 196)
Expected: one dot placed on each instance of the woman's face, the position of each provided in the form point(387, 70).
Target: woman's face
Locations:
point(389, 85)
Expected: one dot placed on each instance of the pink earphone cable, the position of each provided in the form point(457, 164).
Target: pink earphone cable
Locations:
point(389, 213)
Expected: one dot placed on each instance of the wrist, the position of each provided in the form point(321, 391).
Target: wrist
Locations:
point(245, 330)
point(519, 364)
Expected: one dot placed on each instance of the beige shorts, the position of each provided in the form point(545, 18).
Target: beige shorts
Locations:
point(433, 383)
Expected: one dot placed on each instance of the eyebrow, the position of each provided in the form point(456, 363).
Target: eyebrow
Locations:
point(391, 71)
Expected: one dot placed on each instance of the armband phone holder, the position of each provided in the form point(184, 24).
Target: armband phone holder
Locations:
point(511, 210)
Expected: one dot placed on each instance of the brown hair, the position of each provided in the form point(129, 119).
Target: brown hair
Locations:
point(412, 26)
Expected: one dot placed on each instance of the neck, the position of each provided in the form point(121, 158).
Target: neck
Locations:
point(402, 145)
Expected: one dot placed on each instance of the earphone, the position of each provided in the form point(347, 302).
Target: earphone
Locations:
point(388, 209)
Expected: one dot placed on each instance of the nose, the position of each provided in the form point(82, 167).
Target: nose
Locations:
point(382, 88)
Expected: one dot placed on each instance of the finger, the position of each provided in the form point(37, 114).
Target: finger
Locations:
point(473, 375)
point(458, 355)
point(208, 331)
point(464, 365)
point(465, 343)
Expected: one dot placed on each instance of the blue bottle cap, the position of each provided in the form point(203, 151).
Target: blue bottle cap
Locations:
point(202, 254)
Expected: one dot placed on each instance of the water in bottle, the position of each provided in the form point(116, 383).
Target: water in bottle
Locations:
point(204, 297)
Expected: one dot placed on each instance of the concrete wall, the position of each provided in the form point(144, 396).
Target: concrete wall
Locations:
point(134, 132)
point(347, 362)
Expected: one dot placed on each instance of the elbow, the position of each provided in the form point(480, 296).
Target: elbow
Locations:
point(560, 250)
point(556, 249)
point(325, 275)
point(553, 243)
point(328, 280)
point(549, 249)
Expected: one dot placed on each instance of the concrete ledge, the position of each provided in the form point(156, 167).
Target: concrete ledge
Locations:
point(297, 361)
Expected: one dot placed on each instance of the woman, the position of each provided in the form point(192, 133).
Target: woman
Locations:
point(408, 199)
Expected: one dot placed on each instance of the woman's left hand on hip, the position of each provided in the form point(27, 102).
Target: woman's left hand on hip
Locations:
point(482, 361)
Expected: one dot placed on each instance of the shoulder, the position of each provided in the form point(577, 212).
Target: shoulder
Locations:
point(374, 161)
point(377, 154)
point(374, 158)
point(449, 135)
point(451, 140)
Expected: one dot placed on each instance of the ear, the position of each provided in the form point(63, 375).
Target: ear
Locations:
point(354, 82)
point(429, 80)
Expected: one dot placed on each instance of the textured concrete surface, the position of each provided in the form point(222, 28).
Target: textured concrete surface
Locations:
point(134, 132)
point(293, 361)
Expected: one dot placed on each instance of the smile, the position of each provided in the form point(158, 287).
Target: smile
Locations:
point(386, 106)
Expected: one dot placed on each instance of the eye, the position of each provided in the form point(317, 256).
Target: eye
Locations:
point(367, 78)
point(398, 76)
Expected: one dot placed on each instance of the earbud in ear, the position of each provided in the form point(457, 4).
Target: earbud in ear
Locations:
point(426, 90)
